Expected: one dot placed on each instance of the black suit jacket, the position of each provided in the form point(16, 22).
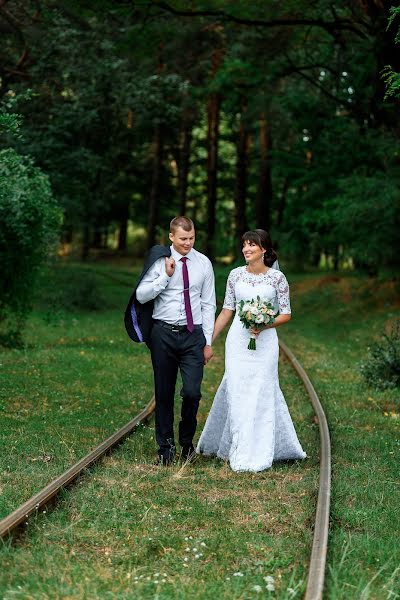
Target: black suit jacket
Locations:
point(138, 317)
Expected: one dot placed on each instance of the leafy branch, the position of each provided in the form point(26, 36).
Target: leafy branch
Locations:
point(332, 27)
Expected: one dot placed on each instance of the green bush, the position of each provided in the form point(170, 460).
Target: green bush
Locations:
point(364, 218)
point(66, 289)
point(382, 367)
point(30, 220)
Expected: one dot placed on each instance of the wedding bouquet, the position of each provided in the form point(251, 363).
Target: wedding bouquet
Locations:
point(255, 313)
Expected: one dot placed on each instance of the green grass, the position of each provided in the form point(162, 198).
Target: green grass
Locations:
point(342, 317)
point(80, 378)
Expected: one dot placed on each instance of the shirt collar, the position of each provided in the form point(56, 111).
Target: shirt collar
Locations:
point(177, 256)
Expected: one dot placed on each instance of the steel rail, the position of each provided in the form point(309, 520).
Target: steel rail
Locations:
point(42, 498)
point(316, 571)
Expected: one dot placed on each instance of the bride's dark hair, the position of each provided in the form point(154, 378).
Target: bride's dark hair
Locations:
point(263, 240)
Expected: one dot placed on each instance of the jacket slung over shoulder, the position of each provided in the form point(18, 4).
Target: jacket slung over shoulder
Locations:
point(138, 317)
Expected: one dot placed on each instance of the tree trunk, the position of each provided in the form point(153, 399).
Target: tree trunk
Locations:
point(264, 192)
point(213, 117)
point(123, 230)
point(155, 187)
point(184, 159)
point(242, 159)
point(85, 240)
point(104, 242)
point(336, 259)
point(213, 113)
point(96, 243)
point(282, 202)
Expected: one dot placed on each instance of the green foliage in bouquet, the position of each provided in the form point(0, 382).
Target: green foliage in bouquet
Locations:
point(382, 367)
point(255, 313)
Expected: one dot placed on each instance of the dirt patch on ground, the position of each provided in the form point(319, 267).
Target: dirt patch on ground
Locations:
point(343, 285)
point(303, 287)
point(351, 288)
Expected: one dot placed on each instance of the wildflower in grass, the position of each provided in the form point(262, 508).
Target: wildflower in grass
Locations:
point(257, 588)
point(269, 579)
point(270, 587)
point(238, 574)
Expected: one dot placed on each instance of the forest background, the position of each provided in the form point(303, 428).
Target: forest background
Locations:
point(117, 116)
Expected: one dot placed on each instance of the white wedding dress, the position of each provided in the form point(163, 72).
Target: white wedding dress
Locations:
point(249, 423)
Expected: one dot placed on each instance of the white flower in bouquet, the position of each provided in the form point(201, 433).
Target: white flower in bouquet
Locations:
point(255, 313)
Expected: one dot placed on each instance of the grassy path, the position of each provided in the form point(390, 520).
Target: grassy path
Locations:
point(343, 315)
point(201, 530)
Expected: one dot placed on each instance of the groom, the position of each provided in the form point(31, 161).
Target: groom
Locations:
point(182, 287)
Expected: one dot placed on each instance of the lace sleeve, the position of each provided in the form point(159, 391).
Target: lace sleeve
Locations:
point(230, 298)
point(282, 289)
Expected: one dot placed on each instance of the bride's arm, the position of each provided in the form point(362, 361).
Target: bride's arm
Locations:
point(280, 320)
point(282, 291)
point(222, 320)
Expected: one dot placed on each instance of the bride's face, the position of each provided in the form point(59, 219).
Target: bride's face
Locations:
point(252, 252)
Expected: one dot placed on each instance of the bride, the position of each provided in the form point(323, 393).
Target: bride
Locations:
point(249, 423)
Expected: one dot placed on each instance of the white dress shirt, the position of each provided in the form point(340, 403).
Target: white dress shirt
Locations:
point(167, 292)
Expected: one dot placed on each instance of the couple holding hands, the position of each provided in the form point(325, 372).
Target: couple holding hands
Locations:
point(172, 309)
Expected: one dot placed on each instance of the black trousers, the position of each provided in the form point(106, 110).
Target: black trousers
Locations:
point(170, 351)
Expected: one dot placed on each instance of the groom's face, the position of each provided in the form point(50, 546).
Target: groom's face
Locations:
point(182, 240)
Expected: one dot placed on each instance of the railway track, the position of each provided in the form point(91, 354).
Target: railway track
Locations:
point(316, 572)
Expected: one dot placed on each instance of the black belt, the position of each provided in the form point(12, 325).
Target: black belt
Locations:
point(176, 328)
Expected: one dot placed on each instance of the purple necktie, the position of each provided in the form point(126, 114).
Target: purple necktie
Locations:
point(186, 297)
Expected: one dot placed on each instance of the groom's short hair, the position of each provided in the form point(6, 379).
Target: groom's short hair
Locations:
point(184, 222)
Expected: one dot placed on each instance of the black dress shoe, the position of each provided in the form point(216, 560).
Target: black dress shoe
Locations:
point(188, 452)
point(165, 460)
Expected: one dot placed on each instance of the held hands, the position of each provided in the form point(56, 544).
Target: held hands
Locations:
point(208, 353)
point(169, 266)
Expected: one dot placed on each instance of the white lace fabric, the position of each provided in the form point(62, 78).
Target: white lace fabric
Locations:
point(273, 284)
point(249, 423)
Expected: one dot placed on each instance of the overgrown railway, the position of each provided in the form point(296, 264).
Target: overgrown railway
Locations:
point(316, 571)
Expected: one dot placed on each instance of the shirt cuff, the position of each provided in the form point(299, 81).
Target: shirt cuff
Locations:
point(208, 339)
